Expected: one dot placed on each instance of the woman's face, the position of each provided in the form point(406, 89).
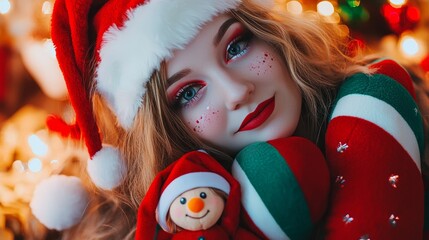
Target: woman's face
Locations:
point(231, 88)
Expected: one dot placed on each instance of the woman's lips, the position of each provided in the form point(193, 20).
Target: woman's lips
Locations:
point(259, 116)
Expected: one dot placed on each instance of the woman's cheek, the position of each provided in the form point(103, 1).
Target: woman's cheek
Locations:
point(262, 64)
point(206, 123)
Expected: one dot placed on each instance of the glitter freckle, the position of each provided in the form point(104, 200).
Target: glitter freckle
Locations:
point(364, 237)
point(393, 180)
point(342, 147)
point(347, 219)
point(393, 220)
point(340, 180)
point(201, 123)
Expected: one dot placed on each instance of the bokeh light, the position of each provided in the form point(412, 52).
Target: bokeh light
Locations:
point(35, 165)
point(325, 8)
point(294, 7)
point(397, 3)
point(4, 6)
point(37, 146)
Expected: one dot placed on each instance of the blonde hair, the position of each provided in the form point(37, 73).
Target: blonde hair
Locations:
point(316, 56)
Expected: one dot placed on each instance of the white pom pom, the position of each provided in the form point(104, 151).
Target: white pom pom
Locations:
point(59, 201)
point(106, 168)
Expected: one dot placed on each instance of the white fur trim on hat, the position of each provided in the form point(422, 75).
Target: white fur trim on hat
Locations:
point(184, 183)
point(106, 168)
point(130, 54)
point(59, 201)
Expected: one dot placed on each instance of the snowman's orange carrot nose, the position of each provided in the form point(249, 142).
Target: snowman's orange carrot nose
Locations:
point(196, 205)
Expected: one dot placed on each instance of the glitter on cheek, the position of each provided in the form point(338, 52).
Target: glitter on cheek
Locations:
point(204, 121)
point(262, 64)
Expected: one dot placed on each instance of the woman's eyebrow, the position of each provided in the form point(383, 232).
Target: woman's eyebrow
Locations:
point(177, 76)
point(222, 29)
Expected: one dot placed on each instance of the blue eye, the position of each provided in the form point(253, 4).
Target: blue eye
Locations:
point(203, 195)
point(188, 94)
point(238, 47)
point(183, 201)
point(235, 48)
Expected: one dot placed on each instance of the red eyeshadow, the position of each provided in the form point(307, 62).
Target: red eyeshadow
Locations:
point(238, 31)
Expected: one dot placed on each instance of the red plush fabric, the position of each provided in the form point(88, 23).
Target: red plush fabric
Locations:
point(426, 226)
point(70, 28)
point(307, 168)
point(310, 170)
point(215, 232)
point(247, 223)
point(363, 204)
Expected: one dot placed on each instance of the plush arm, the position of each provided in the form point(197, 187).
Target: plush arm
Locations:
point(285, 186)
point(374, 144)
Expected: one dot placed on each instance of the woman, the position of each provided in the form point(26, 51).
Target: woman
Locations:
point(170, 77)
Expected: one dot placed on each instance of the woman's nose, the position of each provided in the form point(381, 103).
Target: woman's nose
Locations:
point(236, 92)
point(196, 205)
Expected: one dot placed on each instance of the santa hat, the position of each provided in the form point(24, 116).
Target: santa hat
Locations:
point(192, 170)
point(128, 40)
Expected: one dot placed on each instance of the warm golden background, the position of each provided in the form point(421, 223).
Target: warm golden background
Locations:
point(31, 88)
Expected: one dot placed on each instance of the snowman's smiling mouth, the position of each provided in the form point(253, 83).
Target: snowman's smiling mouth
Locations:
point(198, 217)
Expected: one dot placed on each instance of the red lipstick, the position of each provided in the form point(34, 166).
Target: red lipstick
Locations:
point(259, 116)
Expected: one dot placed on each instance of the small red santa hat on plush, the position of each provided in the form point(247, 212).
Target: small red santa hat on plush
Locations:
point(194, 169)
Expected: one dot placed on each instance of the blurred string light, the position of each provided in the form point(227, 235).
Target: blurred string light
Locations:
point(47, 8)
point(411, 47)
point(353, 3)
point(397, 3)
point(325, 8)
point(401, 17)
point(37, 146)
point(353, 13)
point(55, 163)
point(4, 6)
point(294, 7)
point(35, 165)
point(49, 48)
point(18, 166)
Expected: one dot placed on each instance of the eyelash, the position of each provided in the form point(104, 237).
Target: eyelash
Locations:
point(245, 38)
